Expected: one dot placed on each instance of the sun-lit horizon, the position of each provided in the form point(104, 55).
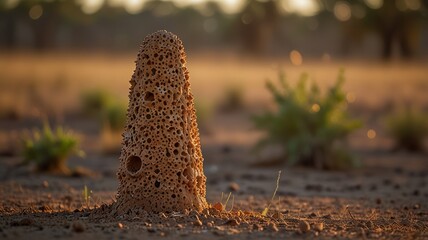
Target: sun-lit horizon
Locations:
point(302, 7)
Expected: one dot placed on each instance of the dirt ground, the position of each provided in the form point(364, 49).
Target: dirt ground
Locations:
point(387, 198)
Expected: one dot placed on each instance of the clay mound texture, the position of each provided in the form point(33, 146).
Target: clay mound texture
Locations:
point(161, 161)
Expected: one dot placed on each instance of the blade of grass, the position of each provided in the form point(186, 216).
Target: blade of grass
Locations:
point(265, 211)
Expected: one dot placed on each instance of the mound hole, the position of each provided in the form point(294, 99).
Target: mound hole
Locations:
point(133, 164)
point(149, 96)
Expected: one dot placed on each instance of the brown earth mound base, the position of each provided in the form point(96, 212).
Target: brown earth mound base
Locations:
point(161, 160)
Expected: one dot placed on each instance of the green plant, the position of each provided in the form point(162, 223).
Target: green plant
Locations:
point(87, 196)
point(95, 101)
point(409, 128)
point(114, 116)
point(49, 149)
point(309, 127)
point(104, 106)
point(266, 210)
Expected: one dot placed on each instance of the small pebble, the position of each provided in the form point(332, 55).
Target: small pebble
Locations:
point(234, 187)
point(319, 226)
point(218, 206)
point(304, 226)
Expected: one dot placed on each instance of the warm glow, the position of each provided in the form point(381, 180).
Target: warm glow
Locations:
point(315, 108)
point(231, 6)
point(91, 6)
point(413, 4)
point(9, 4)
point(134, 6)
point(342, 11)
point(35, 12)
point(228, 6)
point(371, 134)
point(296, 58)
point(302, 7)
point(375, 4)
point(404, 5)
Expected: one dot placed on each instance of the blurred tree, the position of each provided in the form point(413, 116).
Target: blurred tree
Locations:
point(258, 22)
point(42, 18)
point(7, 27)
point(392, 21)
point(260, 27)
point(403, 26)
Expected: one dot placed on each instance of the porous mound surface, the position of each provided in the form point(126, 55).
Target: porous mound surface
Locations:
point(161, 161)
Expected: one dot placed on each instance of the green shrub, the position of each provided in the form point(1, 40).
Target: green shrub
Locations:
point(114, 116)
point(49, 149)
point(103, 105)
point(95, 101)
point(409, 128)
point(310, 127)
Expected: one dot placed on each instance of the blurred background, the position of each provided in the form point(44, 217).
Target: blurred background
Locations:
point(69, 62)
point(339, 29)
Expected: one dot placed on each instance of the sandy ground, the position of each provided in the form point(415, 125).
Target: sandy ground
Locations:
point(376, 202)
point(386, 199)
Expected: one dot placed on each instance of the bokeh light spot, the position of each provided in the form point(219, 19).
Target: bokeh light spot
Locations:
point(9, 4)
point(231, 6)
point(302, 7)
point(413, 4)
point(374, 4)
point(342, 11)
point(91, 6)
point(296, 58)
point(315, 108)
point(35, 12)
point(371, 134)
point(134, 6)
